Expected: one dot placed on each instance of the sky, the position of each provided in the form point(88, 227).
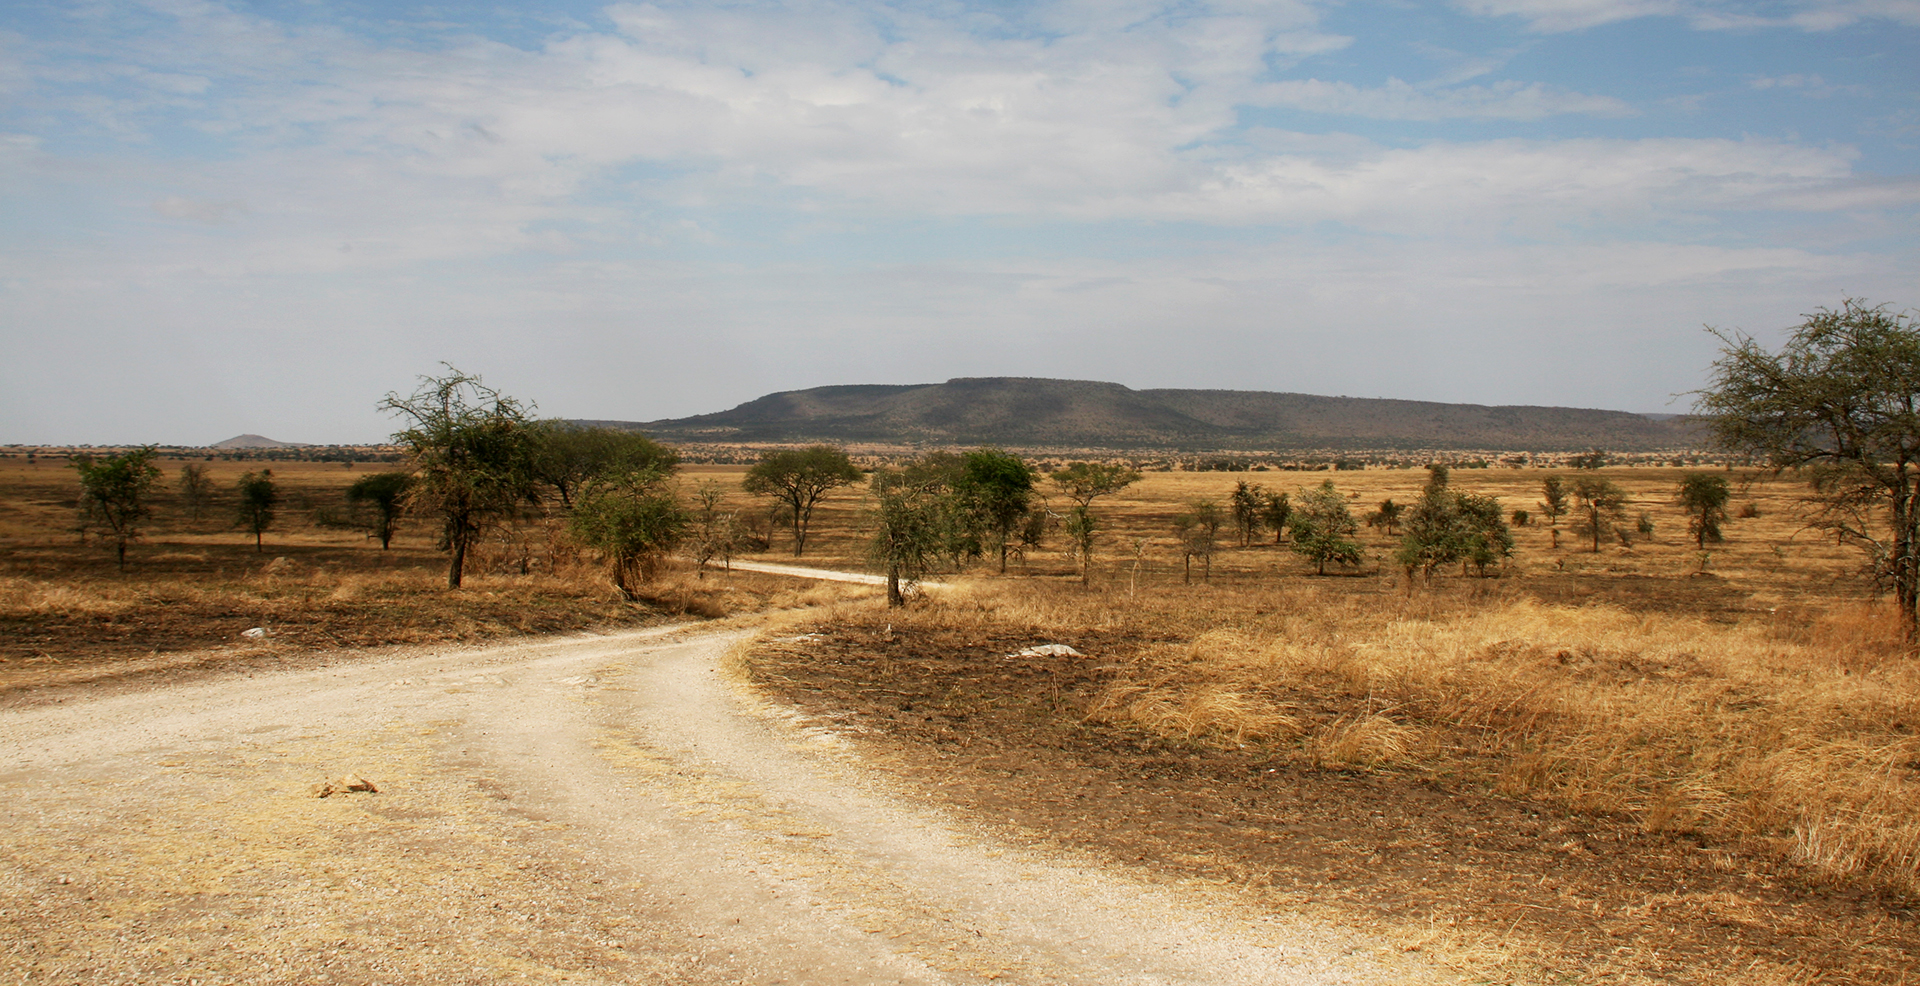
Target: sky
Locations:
point(262, 217)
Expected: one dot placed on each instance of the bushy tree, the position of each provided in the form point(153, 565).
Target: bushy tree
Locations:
point(712, 532)
point(1248, 505)
point(1553, 504)
point(634, 521)
point(1843, 395)
point(801, 478)
point(196, 489)
point(1446, 526)
point(113, 494)
point(567, 456)
point(1199, 532)
point(1387, 517)
point(1704, 497)
point(1083, 483)
point(1276, 512)
point(915, 514)
point(384, 496)
point(995, 494)
point(1323, 528)
point(1590, 459)
point(1599, 504)
point(471, 449)
point(258, 497)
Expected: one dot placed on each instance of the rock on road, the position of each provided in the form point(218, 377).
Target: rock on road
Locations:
point(595, 809)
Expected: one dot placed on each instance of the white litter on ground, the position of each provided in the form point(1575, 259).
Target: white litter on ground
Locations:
point(1048, 650)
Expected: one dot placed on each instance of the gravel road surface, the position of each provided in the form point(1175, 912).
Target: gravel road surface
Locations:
point(594, 809)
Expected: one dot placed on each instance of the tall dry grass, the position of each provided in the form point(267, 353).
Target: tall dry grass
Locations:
point(1800, 739)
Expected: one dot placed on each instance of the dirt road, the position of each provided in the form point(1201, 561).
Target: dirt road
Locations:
point(607, 809)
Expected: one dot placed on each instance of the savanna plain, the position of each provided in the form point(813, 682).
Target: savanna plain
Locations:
point(1643, 763)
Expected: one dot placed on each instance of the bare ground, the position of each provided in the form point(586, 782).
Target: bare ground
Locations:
point(1507, 889)
point(595, 809)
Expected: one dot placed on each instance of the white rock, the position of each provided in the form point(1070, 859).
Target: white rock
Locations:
point(256, 632)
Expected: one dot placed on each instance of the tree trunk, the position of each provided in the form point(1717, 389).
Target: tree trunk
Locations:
point(1906, 556)
point(456, 563)
point(895, 598)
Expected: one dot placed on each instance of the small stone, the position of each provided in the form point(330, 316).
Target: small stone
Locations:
point(256, 632)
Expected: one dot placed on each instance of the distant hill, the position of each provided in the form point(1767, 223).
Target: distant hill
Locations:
point(1025, 411)
point(253, 441)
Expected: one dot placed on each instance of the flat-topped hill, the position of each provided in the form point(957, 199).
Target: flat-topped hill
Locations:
point(1027, 411)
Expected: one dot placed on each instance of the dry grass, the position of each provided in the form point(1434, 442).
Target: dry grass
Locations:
point(1752, 692)
point(1796, 741)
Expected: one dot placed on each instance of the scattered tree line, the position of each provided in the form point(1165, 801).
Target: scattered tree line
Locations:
point(1839, 400)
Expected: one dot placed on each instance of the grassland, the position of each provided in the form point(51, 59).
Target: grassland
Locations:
point(1680, 760)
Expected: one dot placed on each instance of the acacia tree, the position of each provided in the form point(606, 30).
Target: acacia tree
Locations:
point(1083, 483)
point(1247, 504)
point(470, 447)
point(258, 497)
point(196, 490)
point(801, 478)
point(567, 456)
point(916, 511)
point(385, 493)
point(1276, 511)
point(1446, 526)
point(1387, 517)
point(1599, 504)
point(113, 494)
point(634, 520)
point(1704, 497)
point(995, 493)
point(1199, 532)
point(1842, 394)
point(1323, 529)
point(712, 532)
point(1553, 503)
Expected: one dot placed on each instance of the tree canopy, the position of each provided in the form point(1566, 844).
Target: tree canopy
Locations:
point(1842, 395)
point(385, 493)
point(471, 448)
point(567, 456)
point(1083, 483)
point(801, 478)
point(113, 494)
point(1323, 528)
point(258, 497)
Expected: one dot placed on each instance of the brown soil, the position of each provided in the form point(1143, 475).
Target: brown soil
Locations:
point(1549, 895)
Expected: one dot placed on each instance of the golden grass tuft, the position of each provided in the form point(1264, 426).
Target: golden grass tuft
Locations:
point(32, 597)
point(1211, 713)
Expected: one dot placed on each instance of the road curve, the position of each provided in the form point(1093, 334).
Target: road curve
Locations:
point(599, 809)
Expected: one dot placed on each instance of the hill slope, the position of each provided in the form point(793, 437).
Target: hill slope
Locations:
point(1029, 411)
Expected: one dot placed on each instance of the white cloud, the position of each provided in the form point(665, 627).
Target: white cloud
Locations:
point(1551, 16)
point(1398, 100)
point(199, 210)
